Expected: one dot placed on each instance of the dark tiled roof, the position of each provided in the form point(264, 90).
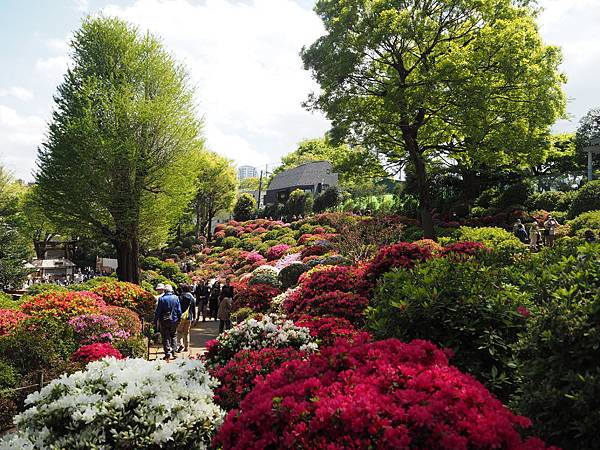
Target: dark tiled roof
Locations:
point(307, 174)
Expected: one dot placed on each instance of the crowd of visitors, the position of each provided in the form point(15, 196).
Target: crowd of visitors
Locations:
point(177, 311)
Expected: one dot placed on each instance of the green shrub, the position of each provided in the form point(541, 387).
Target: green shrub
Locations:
point(133, 347)
point(504, 245)
point(586, 198)
point(40, 288)
point(242, 314)
point(9, 377)
point(231, 242)
point(550, 201)
point(7, 301)
point(587, 221)
point(461, 305)
point(288, 276)
point(92, 284)
point(270, 278)
point(560, 351)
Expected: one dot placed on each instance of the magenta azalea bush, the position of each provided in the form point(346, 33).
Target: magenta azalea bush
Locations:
point(91, 328)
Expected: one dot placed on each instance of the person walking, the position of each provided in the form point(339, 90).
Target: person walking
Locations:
point(202, 293)
point(188, 315)
point(227, 289)
point(550, 225)
point(533, 237)
point(224, 314)
point(213, 302)
point(522, 234)
point(166, 317)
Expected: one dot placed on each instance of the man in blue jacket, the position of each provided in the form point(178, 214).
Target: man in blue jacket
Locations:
point(167, 317)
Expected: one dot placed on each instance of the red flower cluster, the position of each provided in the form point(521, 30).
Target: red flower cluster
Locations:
point(277, 251)
point(464, 249)
point(10, 320)
point(334, 278)
point(63, 305)
point(237, 377)
point(256, 296)
point(402, 254)
point(127, 295)
point(327, 330)
point(314, 250)
point(127, 319)
point(385, 394)
point(93, 352)
point(327, 304)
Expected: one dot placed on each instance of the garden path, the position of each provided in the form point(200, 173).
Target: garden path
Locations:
point(199, 335)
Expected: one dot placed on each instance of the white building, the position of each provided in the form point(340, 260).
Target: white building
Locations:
point(247, 172)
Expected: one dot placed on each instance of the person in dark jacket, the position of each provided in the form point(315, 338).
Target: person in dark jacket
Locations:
point(227, 290)
point(202, 293)
point(188, 315)
point(166, 317)
point(225, 305)
point(213, 302)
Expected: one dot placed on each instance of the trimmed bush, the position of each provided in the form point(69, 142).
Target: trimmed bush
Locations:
point(587, 221)
point(586, 198)
point(289, 275)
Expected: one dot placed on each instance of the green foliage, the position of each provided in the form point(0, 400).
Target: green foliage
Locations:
point(14, 252)
point(504, 245)
point(461, 305)
point(327, 199)
point(169, 271)
point(249, 183)
point(288, 276)
point(560, 350)
point(9, 376)
point(587, 221)
point(244, 208)
point(550, 201)
point(586, 199)
point(242, 314)
point(133, 347)
point(7, 301)
point(123, 143)
point(231, 242)
point(40, 288)
point(299, 203)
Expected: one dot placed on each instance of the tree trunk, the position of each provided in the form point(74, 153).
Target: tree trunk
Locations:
point(128, 259)
point(198, 218)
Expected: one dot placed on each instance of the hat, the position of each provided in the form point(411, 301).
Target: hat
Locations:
point(160, 287)
point(168, 288)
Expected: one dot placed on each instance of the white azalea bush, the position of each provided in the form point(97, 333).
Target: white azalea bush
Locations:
point(276, 304)
point(122, 404)
point(265, 275)
point(255, 334)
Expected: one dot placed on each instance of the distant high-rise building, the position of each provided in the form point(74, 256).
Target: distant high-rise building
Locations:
point(247, 172)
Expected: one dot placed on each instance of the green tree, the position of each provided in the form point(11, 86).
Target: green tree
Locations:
point(420, 81)
point(14, 253)
point(329, 198)
point(249, 183)
point(299, 203)
point(123, 142)
point(245, 207)
point(589, 127)
point(216, 192)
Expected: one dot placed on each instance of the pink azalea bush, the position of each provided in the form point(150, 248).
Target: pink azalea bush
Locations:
point(90, 328)
point(385, 394)
point(277, 251)
point(94, 352)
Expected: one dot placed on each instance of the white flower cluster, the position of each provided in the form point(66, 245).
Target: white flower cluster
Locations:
point(122, 404)
point(265, 269)
point(276, 304)
point(270, 331)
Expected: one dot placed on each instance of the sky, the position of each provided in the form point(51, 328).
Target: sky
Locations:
point(243, 58)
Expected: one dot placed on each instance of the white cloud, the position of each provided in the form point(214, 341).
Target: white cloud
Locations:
point(82, 5)
point(244, 60)
point(17, 92)
point(19, 137)
point(52, 68)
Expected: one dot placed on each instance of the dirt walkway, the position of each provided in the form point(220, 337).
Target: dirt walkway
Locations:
point(199, 335)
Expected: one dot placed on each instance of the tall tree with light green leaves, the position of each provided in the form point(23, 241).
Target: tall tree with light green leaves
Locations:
point(124, 143)
point(428, 80)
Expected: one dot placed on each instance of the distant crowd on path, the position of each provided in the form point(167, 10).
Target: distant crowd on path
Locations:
point(176, 312)
point(544, 236)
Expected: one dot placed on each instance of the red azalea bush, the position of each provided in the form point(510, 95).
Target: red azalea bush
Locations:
point(127, 295)
point(237, 377)
point(277, 251)
point(314, 250)
point(328, 279)
point(93, 352)
point(327, 304)
point(126, 318)
point(327, 330)
point(63, 305)
point(402, 254)
point(465, 249)
point(385, 394)
point(256, 296)
point(10, 320)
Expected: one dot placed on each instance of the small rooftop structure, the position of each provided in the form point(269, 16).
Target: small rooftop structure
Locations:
point(53, 269)
point(313, 177)
point(593, 148)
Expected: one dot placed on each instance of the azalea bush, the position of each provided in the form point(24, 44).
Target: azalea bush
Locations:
point(290, 274)
point(127, 295)
point(237, 377)
point(10, 320)
point(91, 328)
point(256, 296)
point(122, 404)
point(128, 320)
point(277, 251)
point(93, 352)
point(327, 330)
point(385, 394)
point(63, 305)
point(328, 304)
point(457, 304)
point(268, 331)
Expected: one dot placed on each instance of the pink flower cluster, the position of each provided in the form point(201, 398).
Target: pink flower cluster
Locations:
point(327, 330)
point(277, 251)
point(237, 377)
point(385, 394)
point(10, 320)
point(93, 352)
point(91, 328)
